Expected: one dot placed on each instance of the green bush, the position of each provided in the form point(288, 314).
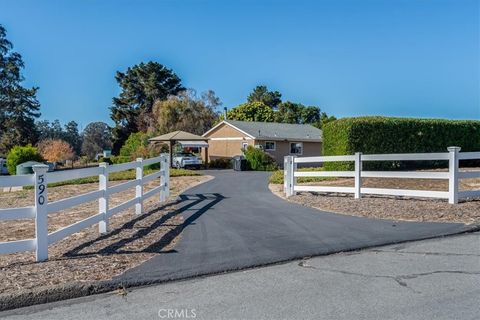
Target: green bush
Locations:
point(377, 135)
point(18, 155)
point(119, 159)
point(105, 159)
point(259, 160)
point(220, 163)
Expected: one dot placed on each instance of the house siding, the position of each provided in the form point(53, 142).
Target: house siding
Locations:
point(226, 148)
point(282, 149)
point(232, 145)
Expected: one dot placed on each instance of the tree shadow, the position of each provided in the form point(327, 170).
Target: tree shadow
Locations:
point(190, 202)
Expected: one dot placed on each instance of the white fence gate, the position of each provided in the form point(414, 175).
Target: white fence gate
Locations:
point(42, 207)
point(453, 175)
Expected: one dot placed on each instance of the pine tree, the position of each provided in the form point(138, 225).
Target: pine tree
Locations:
point(18, 105)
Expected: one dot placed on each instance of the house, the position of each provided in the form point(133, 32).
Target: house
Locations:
point(228, 138)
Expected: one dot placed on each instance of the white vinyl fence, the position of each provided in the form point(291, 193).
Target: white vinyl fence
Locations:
point(453, 175)
point(42, 207)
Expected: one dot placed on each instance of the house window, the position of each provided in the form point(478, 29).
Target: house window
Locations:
point(296, 148)
point(270, 145)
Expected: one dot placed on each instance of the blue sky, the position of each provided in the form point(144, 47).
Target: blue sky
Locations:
point(350, 57)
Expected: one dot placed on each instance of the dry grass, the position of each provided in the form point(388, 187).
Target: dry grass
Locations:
point(86, 256)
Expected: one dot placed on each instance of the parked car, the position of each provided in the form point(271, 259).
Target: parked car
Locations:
point(185, 160)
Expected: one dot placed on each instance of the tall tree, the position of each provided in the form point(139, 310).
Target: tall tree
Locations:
point(18, 105)
point(53, 131)
point(96, 138)
point(262, 94)
point(290, 112)
point(141, 86)
point(72, 136)
point(252, 111)
point(186, 112)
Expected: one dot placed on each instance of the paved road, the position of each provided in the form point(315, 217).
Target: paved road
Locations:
point(234, 222)
point(431, 279)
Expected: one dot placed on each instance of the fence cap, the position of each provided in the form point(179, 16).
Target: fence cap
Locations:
point(40, 168)
point(453, 148)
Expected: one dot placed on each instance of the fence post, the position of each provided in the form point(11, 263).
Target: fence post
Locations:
point(293, 179)
point(358, 175)
point(41, 213)
point(163, 169)
point(139, 187)
point(453, 174)
point(286, 175)
point(103, 200)
point(167, 177)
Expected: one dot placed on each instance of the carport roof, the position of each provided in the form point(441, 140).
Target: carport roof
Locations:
point(178, 136)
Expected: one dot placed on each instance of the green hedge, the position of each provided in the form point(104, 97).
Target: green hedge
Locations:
point(374, 135)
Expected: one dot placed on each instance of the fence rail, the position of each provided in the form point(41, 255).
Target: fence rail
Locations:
point(453, 175)
point(39, 212)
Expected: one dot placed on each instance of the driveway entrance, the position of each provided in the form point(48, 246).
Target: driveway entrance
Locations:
point(234, 222)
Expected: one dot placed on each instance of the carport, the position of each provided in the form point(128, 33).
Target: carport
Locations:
point(185, 139)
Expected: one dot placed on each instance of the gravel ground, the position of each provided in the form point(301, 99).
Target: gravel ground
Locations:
point(86, 256)
point(394, 208)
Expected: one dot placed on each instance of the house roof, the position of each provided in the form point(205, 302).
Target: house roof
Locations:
point(178, 136)
point(275, 130)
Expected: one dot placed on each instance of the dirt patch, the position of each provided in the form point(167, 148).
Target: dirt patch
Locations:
point(87, 256)
point(390, 207)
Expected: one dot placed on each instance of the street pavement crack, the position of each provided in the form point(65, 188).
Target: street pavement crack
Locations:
point(400, 279)
point(443, 254)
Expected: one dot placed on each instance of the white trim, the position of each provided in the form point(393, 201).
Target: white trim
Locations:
point(231, 125)
point(290, 148)
point(274, 146)
point(231, 139)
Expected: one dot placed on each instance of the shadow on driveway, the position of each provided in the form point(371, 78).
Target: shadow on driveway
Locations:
point(185, 202)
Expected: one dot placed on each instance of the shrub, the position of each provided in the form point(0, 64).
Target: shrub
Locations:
point(136, 146)
point(376, 135)
point(259, 160)
point(18, 155)
point(105, 159)
point(56, 150)
point(119, 159)
point(220, 163)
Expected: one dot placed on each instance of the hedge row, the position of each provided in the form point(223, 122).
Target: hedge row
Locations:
point(374, 135)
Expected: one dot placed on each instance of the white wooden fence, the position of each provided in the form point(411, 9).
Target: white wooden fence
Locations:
point(453, 175)
point(42, 207)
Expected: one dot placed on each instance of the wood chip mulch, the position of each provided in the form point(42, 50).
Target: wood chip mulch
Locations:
point(87, 256)
point(390, 207)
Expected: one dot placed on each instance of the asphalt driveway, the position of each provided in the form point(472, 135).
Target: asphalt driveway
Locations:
point(235, 222)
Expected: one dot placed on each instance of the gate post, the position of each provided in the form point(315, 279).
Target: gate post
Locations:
point(41, 213)
point(286, 175)
point(358, 175)
point(103, 200)
point(293, 179)
point(453, 174)
point(139, 186)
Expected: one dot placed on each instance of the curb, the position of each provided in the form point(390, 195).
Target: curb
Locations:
point(78, 290)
